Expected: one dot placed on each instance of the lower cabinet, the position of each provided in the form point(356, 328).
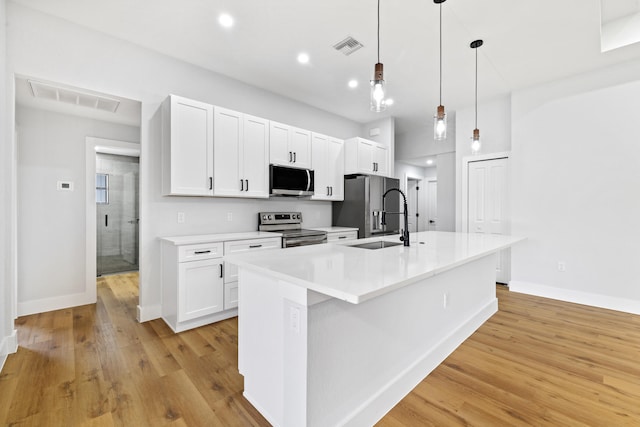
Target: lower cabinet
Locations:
point(198, 287)
point(336, 236)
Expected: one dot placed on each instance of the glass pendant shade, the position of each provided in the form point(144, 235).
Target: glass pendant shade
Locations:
point(377, 90)
point(440, 124)
point(475, 141)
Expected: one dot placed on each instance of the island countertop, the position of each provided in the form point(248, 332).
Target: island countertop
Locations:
point(356, 275)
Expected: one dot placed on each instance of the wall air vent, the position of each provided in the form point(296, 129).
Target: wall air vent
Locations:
point(72, 96)
point(348, 45)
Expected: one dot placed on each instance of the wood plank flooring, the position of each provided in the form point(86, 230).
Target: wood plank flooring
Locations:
point(536, 362)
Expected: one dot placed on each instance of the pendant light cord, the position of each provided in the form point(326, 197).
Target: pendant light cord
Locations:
point(378, 31)
point(440, 53)
point(476, 88)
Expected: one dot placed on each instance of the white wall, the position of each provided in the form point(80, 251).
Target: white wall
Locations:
point(494, 122)
point(419, 142)
point(575, 181)
point(446, 172)
point(7, 336)
point(62, 52)
point(52, 223)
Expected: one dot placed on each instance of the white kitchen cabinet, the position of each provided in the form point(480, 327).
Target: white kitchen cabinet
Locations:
point(328, 166)
point(192, 285)
point(289, 146)
point(187, 147)
point(366, 157)
point(240, 155)
point(231, 270)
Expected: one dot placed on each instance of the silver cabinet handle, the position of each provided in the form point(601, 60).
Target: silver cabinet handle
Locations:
point(242, 185)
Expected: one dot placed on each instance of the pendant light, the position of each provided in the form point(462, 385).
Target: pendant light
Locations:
point(475, 139)
point(440, 119)
point(377, 84)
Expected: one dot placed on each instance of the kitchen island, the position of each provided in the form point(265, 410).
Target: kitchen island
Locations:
point(337, 334)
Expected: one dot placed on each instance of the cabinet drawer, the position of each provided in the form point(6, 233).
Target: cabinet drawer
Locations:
point(200, 251)
point(230, 295)
point(345, 235)
point(239, 246)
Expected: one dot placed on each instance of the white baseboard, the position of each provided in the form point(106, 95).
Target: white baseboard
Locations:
point(149, 312)
point(8, 345)
point(378, 405)
point(55, 303)
point(578, 297)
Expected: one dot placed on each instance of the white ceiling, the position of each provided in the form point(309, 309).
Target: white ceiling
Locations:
point(526, 42)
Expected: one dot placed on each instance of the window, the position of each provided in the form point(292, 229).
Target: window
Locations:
point(102, 188)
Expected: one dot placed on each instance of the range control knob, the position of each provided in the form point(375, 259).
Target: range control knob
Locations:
point(298, 216)
point(264, 217)
point(270, 217)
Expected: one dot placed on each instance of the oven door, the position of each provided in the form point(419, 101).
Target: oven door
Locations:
point(290, 242)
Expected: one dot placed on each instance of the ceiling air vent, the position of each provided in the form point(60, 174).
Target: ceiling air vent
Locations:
point(348, 45)
point(72, 96)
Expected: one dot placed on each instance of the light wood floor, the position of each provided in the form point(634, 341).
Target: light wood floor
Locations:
point(536, 362)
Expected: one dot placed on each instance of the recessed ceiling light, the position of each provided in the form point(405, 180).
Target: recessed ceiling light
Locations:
point(429, 162)
point(353, 84)
point(388, 101)
point(303, 58)
point(226, 20)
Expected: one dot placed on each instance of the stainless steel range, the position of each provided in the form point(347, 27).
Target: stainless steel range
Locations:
point(290, 225)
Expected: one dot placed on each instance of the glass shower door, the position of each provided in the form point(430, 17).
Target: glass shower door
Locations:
point(117, 213)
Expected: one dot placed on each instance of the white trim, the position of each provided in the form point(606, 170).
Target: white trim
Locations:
point(56, 303)
point(146, 313)
point(465, 182)
point(93, 146)
point(8, 346)
point(578, 297)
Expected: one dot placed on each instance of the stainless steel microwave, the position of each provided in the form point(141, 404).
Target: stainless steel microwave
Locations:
point(284, 181)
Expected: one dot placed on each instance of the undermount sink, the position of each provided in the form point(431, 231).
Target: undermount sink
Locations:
point(376, 245)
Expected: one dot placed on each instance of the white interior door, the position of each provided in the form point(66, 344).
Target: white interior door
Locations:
point(413, 204)
point(432, 205)
point(488, 203)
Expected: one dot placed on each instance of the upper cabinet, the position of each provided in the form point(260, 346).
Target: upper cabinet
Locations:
point(289, 146)
point(366, 157)
point(187, 147)
point(240, 155)
point(328, 165)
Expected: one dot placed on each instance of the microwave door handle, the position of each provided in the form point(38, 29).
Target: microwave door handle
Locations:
point(308, 180)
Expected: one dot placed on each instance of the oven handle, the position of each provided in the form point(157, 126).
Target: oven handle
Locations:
point(291, 242)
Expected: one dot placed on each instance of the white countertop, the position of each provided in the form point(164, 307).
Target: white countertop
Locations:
point(356, 275)
point(334, 229)
point(213, 238)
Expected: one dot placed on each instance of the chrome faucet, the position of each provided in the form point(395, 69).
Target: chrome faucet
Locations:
point(405, 233)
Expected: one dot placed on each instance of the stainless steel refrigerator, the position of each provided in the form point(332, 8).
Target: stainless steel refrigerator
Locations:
point(362, 205)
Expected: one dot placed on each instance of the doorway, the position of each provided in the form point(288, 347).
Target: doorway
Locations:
point(432, 205)
point(413, 204)
point(117, 210)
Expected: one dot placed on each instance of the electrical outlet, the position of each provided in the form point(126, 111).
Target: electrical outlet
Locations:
point(229, 216)
point(562, 267)
point(294, 319)
point(180, 217)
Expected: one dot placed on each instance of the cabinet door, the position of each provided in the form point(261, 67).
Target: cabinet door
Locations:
point(319, 153)
point(200, 288)
point(365, 156)
point(255, 157)
point(301, 148)
point(279, 137)
point(335, 162)
point(190, 160)
point(228, 136)
point(381, 160)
